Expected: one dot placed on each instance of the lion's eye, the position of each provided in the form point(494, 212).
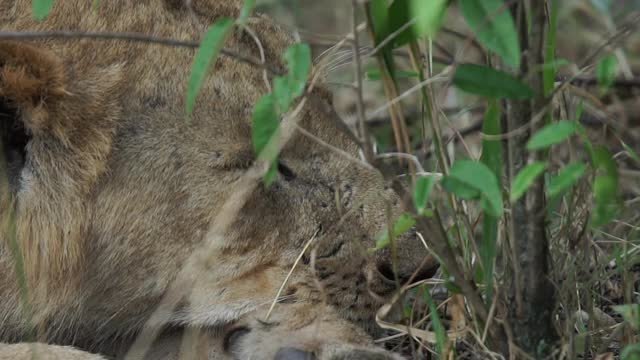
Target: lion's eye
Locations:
point(286, 172)
point(233, 337)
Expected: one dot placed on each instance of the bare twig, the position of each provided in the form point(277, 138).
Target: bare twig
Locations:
point(338, 151)
point(593, 81)
point(531, 289)
point(442, 77)
point(256, 40)
point(364, 133)
point(286, 279)
point(390, 38)
point(131, 37)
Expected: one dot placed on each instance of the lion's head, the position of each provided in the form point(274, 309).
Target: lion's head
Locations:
point(115, 190)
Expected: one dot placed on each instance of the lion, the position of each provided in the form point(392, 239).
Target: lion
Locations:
point(110, 192)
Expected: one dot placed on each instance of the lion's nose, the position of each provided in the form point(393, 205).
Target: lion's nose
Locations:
point(408, 261)
point(408, 274)
point(293, 354)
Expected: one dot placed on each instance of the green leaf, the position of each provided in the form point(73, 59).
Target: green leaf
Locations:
point(630, 313)
point(298, 58)
point(566, 178)
point(41, 8)
point(380, 15)
point(398, 16)
point(605, 190)
point(246, 11)
point(206, 55)
point(555, 64)
point(492, 149)
point(525, 178)
point(400, 226)
point(552, 134)
point(265, 123)
point(603, 162)
point(466, 175)
point(630, 352)
point(494, 27)
point(289, 87)
point(460, 188)
point(265, 126)
point(428, 15)
point(606, 72)
point(282, 92)
point(485, 81)
point(271, 174)
point(438, 327)
point(424, 186)
point(605, 187)
point(492, 157)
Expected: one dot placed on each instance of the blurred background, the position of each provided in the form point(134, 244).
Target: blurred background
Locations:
point(583, 26)
point(587, 31)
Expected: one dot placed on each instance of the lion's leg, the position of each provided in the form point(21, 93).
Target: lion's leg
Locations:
point(190, 343)
point(293, 331)
point(29, 351)
point(300, 331)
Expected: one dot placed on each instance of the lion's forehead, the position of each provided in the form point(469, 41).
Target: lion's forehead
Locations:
point(146, 63)
point(155, 78)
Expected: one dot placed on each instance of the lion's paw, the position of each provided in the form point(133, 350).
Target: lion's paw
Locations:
point(339, 353)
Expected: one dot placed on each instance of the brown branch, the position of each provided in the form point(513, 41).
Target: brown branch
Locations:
point(131, 37)
point(531, 291)
point(593, 81)
point(623, 88)
point(438, 241)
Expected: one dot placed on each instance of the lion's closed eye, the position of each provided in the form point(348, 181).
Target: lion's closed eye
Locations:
point(233, 337)
point(286, 171)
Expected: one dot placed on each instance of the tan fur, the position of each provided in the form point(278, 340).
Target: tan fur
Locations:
point(44, 352)
point(119, 188)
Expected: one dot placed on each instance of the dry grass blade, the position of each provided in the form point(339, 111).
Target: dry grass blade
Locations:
point(130, 36)
point(424, 335)
point(286, 279)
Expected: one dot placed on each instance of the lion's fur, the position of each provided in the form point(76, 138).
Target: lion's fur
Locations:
point(118, 188)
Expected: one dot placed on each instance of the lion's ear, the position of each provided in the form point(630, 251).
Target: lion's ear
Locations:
point(57, 122)
point(32, 82)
